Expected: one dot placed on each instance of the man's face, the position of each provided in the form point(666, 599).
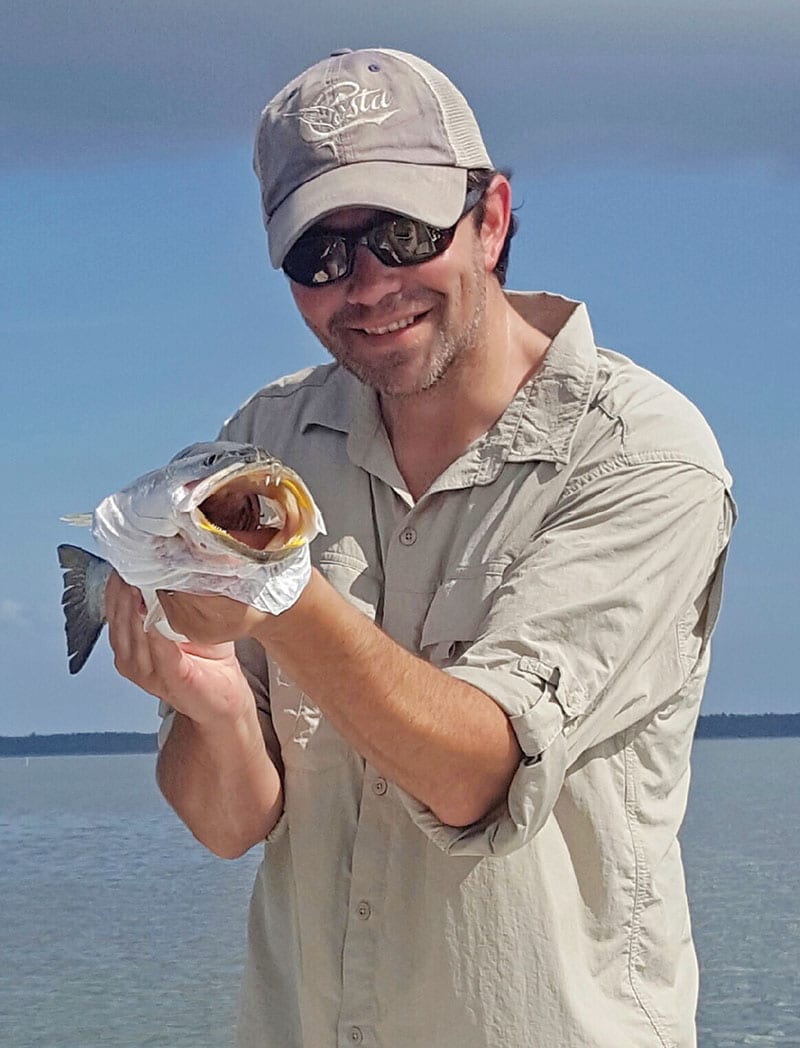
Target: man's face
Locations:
point(400, 330)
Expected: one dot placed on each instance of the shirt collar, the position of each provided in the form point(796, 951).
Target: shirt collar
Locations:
point(344, 404)
point(545, 413)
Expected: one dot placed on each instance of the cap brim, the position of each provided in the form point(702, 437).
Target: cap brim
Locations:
point(433, 194)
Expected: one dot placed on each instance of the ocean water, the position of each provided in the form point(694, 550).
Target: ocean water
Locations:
point(116, 927)
point(741, 846)
point(118, 930)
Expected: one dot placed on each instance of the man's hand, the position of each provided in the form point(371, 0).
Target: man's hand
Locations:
point(200, 678)
point(209, 619)
point(214, 768)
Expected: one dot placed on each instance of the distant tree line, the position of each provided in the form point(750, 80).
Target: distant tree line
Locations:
point(748, 726)
point(88, 742)
point(712, 726)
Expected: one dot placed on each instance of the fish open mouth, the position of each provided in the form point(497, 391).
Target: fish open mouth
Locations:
point(267, 511)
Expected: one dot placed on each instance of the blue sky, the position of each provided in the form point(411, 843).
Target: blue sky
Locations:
point(655, 158)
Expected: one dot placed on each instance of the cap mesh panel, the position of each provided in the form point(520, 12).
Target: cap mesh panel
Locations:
point(459, 120)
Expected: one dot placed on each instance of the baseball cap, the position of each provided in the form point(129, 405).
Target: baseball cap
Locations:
point(371, 128)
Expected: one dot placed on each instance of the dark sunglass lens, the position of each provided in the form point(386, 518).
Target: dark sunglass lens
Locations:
point(406, 241)
point(317, 260)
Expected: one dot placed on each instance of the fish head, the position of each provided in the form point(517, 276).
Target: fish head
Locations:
point(216, 519)
point(241, 498)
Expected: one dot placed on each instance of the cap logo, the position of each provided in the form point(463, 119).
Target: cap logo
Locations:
point(341, 107)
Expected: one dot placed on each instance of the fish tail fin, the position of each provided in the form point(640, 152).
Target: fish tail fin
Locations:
point(83, 601)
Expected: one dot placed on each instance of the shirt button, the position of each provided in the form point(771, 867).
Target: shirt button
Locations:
point(364, 910)
point(380, 786)
point(356, 1034)
point(408, 536)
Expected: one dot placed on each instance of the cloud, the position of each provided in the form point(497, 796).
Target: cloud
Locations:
point(550, 82)
point(12, 613)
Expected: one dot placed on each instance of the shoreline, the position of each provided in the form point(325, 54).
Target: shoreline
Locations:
point(109, 743)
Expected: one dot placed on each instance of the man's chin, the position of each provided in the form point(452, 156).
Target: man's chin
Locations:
point(399, 383)
point(399, 371)
point(386, 381)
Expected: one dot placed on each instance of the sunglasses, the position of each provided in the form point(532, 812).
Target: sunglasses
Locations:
point(317, 259)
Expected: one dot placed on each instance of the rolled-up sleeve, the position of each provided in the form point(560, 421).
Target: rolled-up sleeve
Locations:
point(597, 623)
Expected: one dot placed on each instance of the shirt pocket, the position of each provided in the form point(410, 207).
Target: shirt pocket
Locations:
point(456, 615)
point(308, 740)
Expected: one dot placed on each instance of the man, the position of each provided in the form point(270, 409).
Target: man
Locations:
point(469, 747)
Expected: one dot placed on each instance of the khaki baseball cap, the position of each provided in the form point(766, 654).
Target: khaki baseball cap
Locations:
point(372, 128)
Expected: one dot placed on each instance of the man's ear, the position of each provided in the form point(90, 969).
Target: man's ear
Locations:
point(496, 219)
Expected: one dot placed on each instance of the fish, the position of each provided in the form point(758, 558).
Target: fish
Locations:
point(219, 518)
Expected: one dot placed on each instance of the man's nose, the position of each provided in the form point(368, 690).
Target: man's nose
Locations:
point(370, 280)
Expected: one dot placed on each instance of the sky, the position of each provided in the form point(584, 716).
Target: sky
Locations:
point(655, 151)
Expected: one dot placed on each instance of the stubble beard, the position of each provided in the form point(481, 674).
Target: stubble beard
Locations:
point(452, 348)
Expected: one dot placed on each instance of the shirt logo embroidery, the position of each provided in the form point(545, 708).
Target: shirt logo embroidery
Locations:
point(339, 108)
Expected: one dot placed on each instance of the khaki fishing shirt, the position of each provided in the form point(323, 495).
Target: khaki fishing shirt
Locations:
point(569, 565)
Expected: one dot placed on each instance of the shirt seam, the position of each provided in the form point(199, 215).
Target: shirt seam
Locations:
point(624, 460)
point(639, 877)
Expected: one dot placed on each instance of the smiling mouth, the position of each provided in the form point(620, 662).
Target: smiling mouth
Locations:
point(396, 325)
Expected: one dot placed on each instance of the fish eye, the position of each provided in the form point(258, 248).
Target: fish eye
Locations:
point(209, 460)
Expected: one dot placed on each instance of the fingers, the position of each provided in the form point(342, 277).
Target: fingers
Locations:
point(125, 614)
point(118, 592)
point(203, 682)
point(146, 659)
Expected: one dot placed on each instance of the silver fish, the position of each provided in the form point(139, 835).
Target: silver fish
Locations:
point(220, 517)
